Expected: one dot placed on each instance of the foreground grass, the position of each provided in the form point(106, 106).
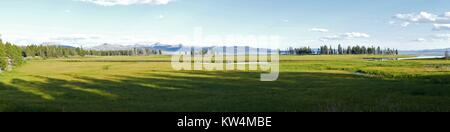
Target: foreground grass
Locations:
point(306, 83)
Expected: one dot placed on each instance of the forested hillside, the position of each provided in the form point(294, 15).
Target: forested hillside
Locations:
point(13, 55)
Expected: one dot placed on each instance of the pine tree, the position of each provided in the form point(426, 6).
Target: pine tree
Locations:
point(447, 55)
point(3, 57)
point(379, 51)
point(14, 53)
point(349, 50)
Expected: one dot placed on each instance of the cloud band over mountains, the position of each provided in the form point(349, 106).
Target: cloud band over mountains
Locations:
point(127, 2)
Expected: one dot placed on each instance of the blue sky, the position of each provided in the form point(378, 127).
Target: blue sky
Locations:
point(404, 24)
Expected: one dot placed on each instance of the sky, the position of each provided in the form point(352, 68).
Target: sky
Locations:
point(401, 24)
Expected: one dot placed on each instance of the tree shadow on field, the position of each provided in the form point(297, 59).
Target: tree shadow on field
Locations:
point(222, 91)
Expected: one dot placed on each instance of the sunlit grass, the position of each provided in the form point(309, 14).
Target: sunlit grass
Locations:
point(306, 83)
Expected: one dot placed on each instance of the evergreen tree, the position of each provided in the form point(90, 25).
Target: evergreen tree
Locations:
point(355, 50)
point(14, 53)
point(349, 50)
point(379, 51)
point(447, 55)
point(3, 57)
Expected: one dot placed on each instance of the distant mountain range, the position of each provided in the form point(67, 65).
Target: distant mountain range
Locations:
point(107, 47)
point(56, 44)
point(168, 49)
point(424, 52)
point(154, 46)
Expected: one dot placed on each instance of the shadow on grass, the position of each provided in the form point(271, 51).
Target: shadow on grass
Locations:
point(223, 91)
point(115, 60)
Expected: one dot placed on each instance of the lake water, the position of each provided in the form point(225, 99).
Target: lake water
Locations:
point(421, 57)
point(245, 63)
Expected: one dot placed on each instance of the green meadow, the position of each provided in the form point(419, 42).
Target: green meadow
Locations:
point(306, 83)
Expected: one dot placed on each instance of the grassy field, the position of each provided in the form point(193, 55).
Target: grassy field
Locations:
point(306, 83)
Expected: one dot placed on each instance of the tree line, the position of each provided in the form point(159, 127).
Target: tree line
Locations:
point(131, 52)
point(10, 55)
point(60, 51)
point(51, 51)
point(350, 50)
point(13, 55)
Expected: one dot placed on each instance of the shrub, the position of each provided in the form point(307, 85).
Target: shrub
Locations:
point(3, 63)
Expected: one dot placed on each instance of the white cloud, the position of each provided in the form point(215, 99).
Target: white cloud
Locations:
point(391, 22)
point(323, 30)
point(330, 38)
point(351, 35)
point(422, 17)
point(434, 38)
point(441, 27)
point(127, 2)
point(442, 37)
point(420, 40)
point(405, 24)
point(76, 37)
point(447, 14)
point(161, 16)
point(440, 22)
point(356, 35)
